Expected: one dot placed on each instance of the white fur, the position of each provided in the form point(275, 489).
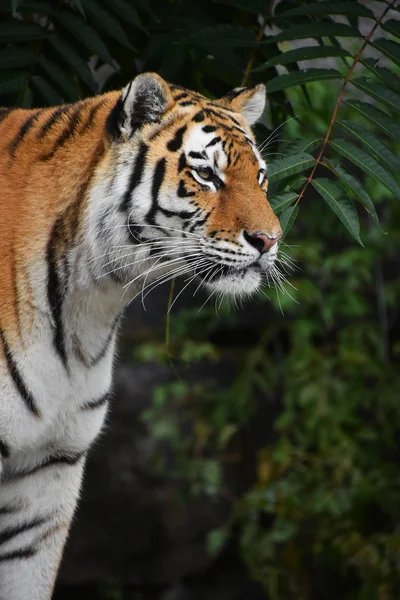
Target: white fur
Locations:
point(253, 108)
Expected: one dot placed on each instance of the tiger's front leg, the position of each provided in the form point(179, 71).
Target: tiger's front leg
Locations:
point(36, 509)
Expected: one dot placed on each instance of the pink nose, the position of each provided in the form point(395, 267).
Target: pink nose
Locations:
point(261, 241)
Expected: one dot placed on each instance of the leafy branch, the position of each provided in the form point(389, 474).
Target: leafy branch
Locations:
point(340, 97)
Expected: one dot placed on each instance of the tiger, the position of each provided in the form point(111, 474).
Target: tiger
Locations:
point(100, 201)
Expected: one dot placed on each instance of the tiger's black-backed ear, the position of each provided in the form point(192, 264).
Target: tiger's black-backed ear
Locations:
point(144, 100)
point(248, 101)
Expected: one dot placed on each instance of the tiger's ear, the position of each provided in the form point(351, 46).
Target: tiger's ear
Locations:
point(144, 100)
point(250, 102)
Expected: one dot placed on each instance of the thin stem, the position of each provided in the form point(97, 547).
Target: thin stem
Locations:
point(250, 63)
point(168, 316)
point(340, 96)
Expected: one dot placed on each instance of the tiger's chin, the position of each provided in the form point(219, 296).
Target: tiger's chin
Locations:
point(236, 284)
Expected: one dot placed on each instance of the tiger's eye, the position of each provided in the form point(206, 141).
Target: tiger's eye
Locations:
point(205, 173)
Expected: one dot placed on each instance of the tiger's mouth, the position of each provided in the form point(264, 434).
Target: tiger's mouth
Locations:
point(239, 276)
point(230, 280)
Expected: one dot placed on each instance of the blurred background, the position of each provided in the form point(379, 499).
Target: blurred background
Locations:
point(251, 452)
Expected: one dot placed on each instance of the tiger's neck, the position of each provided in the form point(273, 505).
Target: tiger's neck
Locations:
point(48, 215)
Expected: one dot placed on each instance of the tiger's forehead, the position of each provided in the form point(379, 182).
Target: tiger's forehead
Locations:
point(209, 144)
point(195, 124)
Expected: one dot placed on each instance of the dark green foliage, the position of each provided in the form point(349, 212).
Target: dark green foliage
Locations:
point(321, 521)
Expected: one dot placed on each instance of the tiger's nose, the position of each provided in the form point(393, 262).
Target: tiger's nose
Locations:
point(261, 241)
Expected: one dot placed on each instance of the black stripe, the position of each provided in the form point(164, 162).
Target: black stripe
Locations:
point(135, 231)
point(106, 346)
point(11, 532)
point(67, 459)
point(96, 403)
point(55, 294)
point(209, 128)
point(17, 379)
point(136, 176)
point(93, 111)
point(22, 132)
point(8, 510)
point(236, 159)
point(182, 191)
point(183, 214)
point(180, 96)
point(55, 116)
point(94, 361)
point(222, 115)
point(176, 142)
point(194, 154)
point(27, 552)
point(200, 116)
point(74, 120)
point(234, 93)
point(4, 450)
point(158, 178)
point(200, 222)
point(187, 103)
point(214, 141)
point(182, 162)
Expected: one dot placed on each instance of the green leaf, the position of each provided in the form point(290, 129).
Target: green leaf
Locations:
point(391, 26)
point(376, 117)
point(107, 22)
point(302, 146)
point(41, 7)
point(388, 97)
point(381, 73)
point(290, 165)
point(20, 31)
point(340, 204)
point(14, 56)
point(12, 83)
point(350, 9)
point(306, 53)
point(354, 188)
point(314, 30)
point(233, 36)
point(46, 90)
point(86, 35)
point(146, 7)
point(374, 146)
point(127, 13)
point(366, 163)
point(281, 82)
point(216, 540)
point(281, 201)
point(287, 219)
point(293, 184)
point(388, 48)
point(260, 7)
point(25, 98)
point(14, 6)
point(58, 76)
point(79, 6)
point(72, 58)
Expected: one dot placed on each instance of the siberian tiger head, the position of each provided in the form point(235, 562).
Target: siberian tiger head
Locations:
point(192, 187)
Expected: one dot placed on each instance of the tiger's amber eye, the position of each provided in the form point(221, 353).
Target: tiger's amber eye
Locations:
point(205, 173)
